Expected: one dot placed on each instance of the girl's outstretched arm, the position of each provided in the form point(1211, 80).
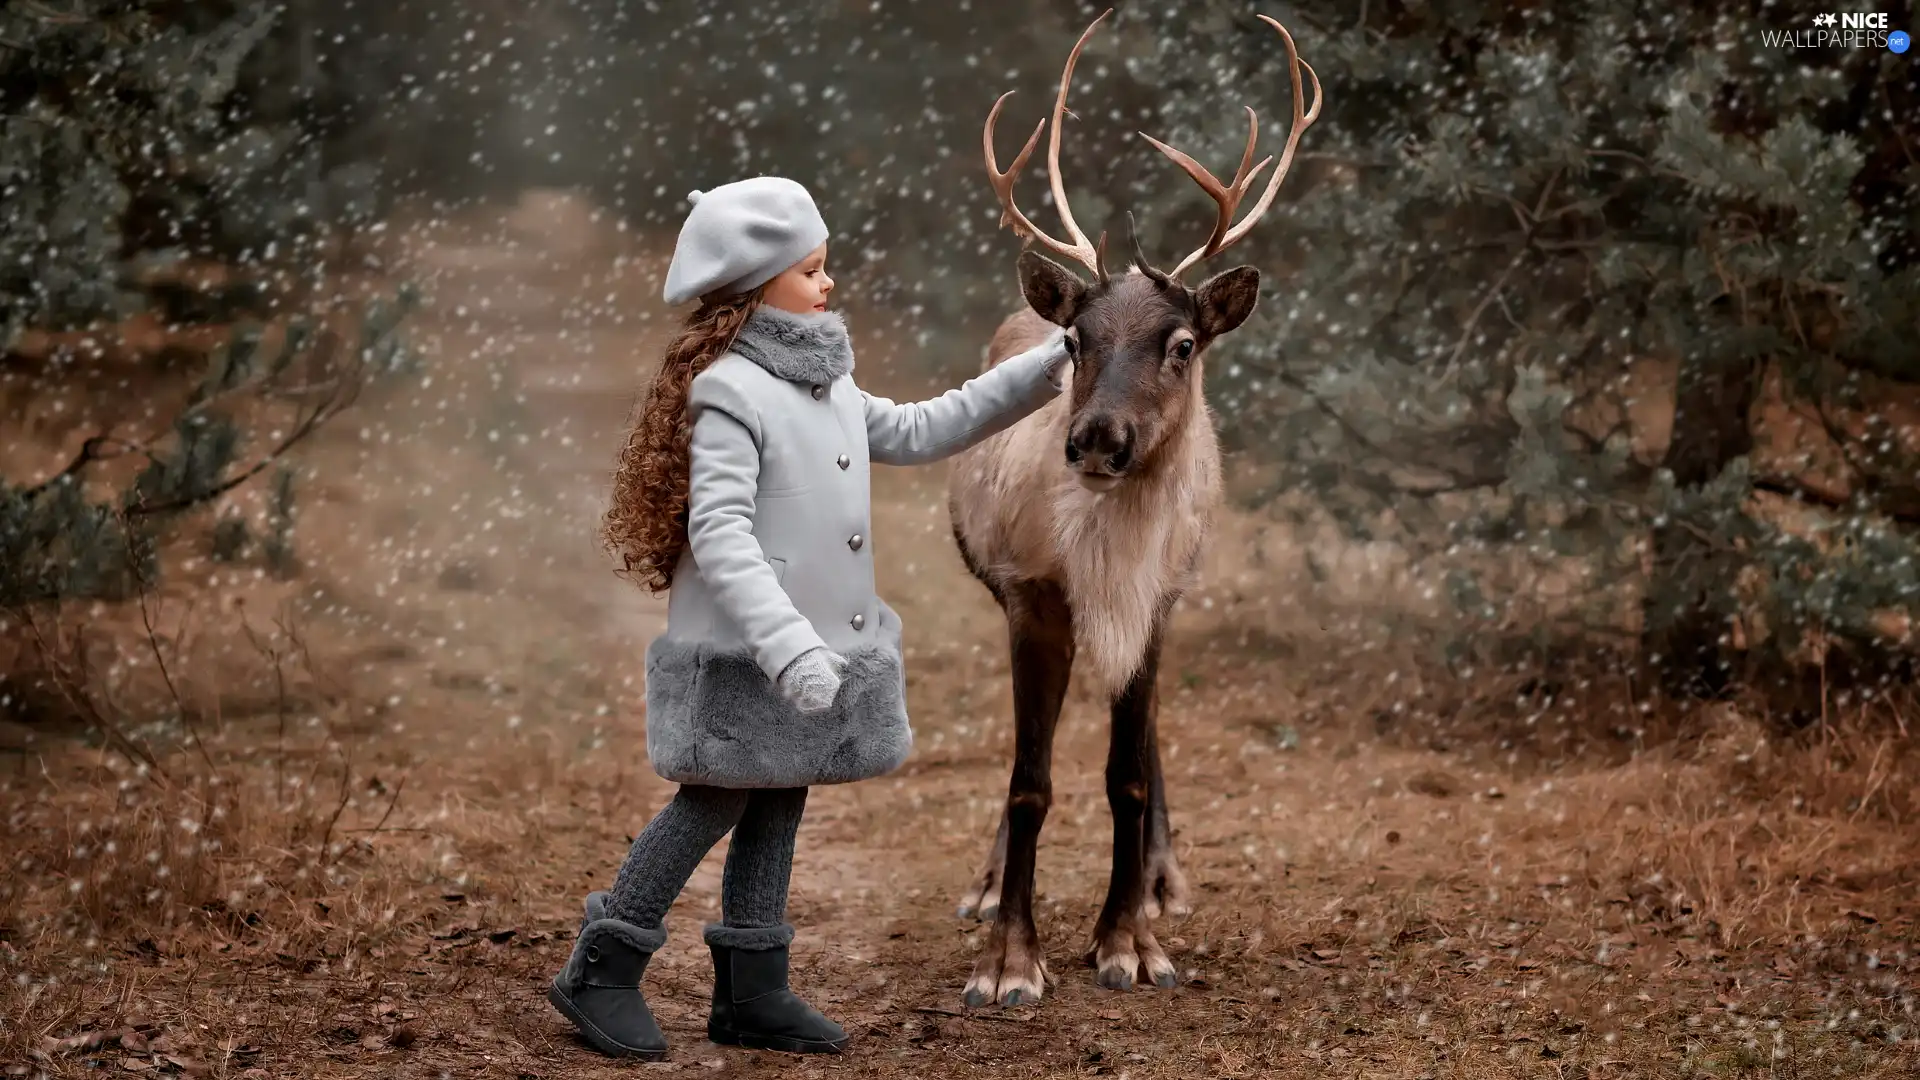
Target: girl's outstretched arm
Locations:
point(725, 472)
point(922, 431)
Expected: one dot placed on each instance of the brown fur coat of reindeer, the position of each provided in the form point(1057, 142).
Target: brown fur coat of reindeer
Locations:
point(1086, 522)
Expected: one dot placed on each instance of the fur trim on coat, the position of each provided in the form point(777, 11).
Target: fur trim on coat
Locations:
point(714, 718)
point(810, 348)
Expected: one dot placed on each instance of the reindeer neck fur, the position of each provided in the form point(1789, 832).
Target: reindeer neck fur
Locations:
point(1127, 555)
point(1121, 557)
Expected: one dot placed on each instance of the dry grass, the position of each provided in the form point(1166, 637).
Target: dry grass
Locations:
point(414, 759)
point(1364, 909)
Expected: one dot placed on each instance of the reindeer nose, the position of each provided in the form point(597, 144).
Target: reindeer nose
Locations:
point(1100, 443)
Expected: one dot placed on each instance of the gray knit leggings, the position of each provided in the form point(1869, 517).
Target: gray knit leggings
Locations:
point(753, 888)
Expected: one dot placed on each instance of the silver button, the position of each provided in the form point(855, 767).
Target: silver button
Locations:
point(819, 392)
point(859, 621)
point(855, 541)
point(843, 462)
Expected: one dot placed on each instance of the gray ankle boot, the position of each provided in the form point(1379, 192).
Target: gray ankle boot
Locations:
point(599, 989)
point(752, 1006)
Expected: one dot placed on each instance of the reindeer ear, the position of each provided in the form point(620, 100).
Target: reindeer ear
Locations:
point(1052, 291)
point(1226, 299)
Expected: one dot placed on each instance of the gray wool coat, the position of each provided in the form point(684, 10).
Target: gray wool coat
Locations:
point(780, 555)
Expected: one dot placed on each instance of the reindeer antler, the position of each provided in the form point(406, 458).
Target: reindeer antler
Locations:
point(1227, 196)
point(1079, 250)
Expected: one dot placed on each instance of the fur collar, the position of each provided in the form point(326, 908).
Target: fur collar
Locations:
point(810, 348)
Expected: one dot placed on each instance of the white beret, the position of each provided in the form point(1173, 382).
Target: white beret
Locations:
point(740, 236)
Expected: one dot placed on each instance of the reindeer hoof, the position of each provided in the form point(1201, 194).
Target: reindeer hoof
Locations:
point(1154, 964)
point(1124, 956)
point(1011, 973)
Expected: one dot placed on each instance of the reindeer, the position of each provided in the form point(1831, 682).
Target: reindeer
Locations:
point(1087, 555)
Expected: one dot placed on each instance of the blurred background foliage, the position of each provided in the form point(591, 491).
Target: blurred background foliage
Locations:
point(1610, 295)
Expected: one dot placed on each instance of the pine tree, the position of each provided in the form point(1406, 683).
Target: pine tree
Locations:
point(159, 202)
point(1508, 224)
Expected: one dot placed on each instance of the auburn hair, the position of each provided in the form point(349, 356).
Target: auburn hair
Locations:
point(646, 525)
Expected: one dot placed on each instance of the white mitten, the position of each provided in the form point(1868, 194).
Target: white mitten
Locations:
point(1054, 356)
point(812, 680)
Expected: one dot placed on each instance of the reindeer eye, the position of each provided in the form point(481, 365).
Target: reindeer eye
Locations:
point(1184, 348)
point(1072, 345)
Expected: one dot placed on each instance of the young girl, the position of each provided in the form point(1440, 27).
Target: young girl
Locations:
point(744, 490)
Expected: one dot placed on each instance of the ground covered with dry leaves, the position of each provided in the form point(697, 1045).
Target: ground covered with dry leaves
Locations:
point(365, 853)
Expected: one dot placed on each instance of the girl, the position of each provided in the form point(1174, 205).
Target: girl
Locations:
point(743, 489)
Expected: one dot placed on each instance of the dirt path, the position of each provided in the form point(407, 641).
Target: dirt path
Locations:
point(1366, 905)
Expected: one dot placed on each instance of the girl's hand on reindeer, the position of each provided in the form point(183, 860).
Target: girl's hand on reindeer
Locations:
point(1054, 356)
point(812, 680)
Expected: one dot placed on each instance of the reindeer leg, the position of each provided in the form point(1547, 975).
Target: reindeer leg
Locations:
point(1123, 943)
point(982, 900)
point(1012, 968)
point(1166, 887)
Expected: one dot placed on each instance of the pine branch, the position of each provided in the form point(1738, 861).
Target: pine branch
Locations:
point(89, 453)
point(346, 391)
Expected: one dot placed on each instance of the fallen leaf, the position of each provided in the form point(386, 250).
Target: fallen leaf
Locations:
point(134, 1041)
point(190, 1066)
point(133, 1064)
point(1860, 915)
point(501, 937)
point(1113, 1014)
point(86, 1040)
point(403, 1037)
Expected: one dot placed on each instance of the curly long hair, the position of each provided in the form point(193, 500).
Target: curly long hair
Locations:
point(646, 525)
